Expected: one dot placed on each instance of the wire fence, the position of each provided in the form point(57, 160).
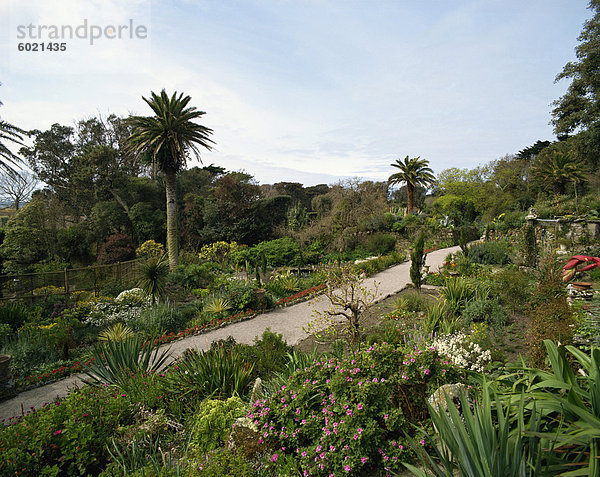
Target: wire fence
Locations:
point(29, 286)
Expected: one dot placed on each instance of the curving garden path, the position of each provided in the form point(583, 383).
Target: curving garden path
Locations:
point(288, 321)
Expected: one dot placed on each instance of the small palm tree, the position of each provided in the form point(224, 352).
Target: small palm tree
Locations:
point(166, 139)
point(414, 172)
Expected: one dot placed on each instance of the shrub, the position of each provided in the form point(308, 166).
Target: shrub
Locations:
point(66, 437)
point(490, 253)
point(414, 302)
point(462, 351)
point(212, 423)
point(553, 320)
point(278, 253)
point(159, 319)
point(488, 311)
point(380, 243)
point(195, 275)
point(351, 414)
point(283, 284)
point(14, 315)
point(512, 286)
point(116, 248)
point(150, 249)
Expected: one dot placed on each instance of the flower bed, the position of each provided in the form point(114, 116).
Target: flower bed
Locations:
point(308, 293)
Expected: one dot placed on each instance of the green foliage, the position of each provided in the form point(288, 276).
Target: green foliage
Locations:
point(114, 361)
point(283, 284)
point(512, 286)
point(488, 311)
point(457, 292)
point(195, 275)
point(220, 372)
point(212, 423)
point(153, 277)
point(417, 261)
point(278, 253)
point(531, 249)
point(381, 243)
point(68, 437)
point(269, 353)
point(159, 319)
point(490, 253)
point(487, 440)
point(227, 463)
point(411, 302)
point(14, 314)
point(439, 318)
point(73, 243)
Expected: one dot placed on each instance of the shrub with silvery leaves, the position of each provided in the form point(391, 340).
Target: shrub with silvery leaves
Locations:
point(463, 352)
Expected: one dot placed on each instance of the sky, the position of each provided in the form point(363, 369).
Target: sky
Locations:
point(310, 91)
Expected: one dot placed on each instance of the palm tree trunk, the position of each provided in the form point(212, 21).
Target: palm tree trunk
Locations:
point(410, 192)
point(172, 245)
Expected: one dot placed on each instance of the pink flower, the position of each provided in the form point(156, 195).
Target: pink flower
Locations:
point(359, 406)
point(347, 468)
point(364, 459)
point(56, 433)
point(274, 458)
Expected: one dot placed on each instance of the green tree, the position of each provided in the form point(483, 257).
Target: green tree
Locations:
point(579, 107)
point(413, 171)
point(166, 139)
point(417, 261)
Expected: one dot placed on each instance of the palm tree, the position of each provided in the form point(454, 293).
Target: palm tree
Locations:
point(557, 169)
point(413, 171)
point(166, 139)
point(8, 132)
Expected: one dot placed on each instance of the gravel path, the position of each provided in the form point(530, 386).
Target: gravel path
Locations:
point(288, 321)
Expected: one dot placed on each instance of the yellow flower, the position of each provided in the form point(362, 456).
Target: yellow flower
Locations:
point(47, 327)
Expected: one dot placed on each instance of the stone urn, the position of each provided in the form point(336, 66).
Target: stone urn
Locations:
point(4, 368)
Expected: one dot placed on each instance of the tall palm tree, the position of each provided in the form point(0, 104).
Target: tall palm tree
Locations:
point(414, 172)
point(166, 139)
point(8, 160)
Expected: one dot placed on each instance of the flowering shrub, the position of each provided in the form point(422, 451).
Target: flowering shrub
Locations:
point(135, 296)
point(350, 416)
point(67, 437)
point(463, 352)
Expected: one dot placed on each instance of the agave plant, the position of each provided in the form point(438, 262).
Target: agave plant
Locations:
point(116, 332)
point(114, 361)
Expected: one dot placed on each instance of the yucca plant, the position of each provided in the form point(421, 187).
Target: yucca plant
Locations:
point(215, 373)
point(216, 305)
point(114, 361)
point(491, 440)
point(116, 332)
point(153, 277)
point(435, 316)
